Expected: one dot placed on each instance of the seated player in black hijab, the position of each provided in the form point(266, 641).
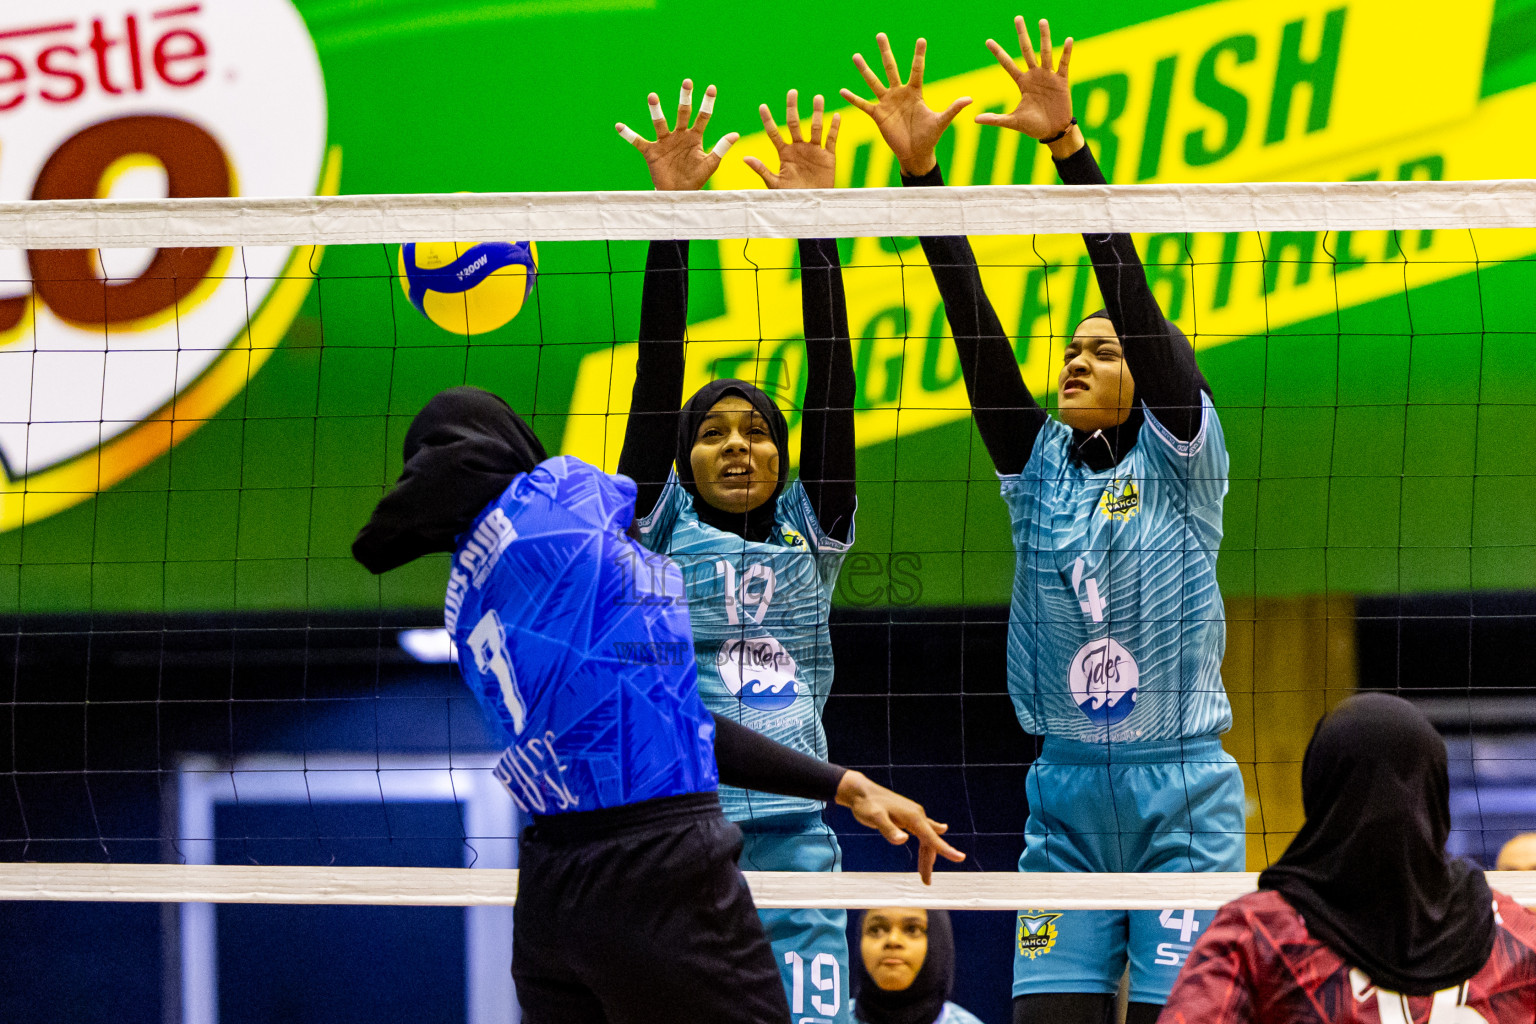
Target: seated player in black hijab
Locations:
point(906, 968)
point(1365, 918)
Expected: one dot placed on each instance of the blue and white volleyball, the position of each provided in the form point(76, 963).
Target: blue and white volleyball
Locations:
point(468, 288)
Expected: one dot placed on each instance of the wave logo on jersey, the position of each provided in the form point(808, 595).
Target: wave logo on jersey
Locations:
point(1103, 676)
point(1037, 933)
point(759, 672)
point(1121, 499)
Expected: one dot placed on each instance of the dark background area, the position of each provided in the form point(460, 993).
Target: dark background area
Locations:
point(99, 711)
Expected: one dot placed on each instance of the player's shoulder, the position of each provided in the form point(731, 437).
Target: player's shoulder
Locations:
point(1265, 915)
point(605, 500)
point(1053, 446)
point(1516, 920)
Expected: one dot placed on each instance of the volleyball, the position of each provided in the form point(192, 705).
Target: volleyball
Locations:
point(468, 289)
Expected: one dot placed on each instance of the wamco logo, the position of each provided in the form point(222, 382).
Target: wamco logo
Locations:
point(107, 358)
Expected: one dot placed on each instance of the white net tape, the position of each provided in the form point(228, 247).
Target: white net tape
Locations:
point(842, 213)
point(465, 887)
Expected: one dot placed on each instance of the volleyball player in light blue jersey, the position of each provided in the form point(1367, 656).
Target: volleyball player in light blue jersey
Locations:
point(1116, 629)
point(759, 555)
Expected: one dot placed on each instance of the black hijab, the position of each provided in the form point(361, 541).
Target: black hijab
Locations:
point(1368, 871)
point(920, 1002)
point(754, 525)
point(461, 452)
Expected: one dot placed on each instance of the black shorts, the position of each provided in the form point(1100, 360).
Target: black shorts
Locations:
point(637, 914)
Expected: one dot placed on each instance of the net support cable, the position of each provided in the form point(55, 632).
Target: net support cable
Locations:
point(724, 214)
point(465, 887)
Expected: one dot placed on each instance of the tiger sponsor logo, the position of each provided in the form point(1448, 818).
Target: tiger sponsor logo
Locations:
point(109, 357)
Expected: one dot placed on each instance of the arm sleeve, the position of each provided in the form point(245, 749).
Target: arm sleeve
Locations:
point(1216, 984)
point(1007, 415)
point(650, 439)
point(750, 760)
point(1168, 380)
point(827, 449)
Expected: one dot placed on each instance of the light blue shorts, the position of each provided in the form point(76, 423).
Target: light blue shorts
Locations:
point(811, 946)
point(1160, 806)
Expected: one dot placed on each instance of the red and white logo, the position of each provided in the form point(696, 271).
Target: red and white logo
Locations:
point(109, 357)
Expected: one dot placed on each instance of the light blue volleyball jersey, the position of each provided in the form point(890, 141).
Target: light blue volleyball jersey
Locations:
point(759, 612)
point(1117, 629)
point(575, 642)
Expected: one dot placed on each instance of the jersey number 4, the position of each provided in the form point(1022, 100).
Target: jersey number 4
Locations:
point(488, 641)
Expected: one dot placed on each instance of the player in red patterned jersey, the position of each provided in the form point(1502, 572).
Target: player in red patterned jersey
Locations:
point(1365, 919)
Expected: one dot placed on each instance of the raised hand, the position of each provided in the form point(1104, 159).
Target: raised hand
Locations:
point(803, 163)
point(1045, 95)
point(907, 124)
point(677, 160)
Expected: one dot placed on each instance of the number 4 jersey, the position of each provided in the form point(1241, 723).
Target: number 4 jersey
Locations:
point(1117, 629)
point(760, 635)
point(593, 687)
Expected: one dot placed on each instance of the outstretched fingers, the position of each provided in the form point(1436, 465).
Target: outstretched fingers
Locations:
point(837, 120)
point(919, 60)
point(1066, 57)
point(705, 110)
point(685, 104)
point(723, 146)
point(792, 115)
point(892, 72)
point(1045, 44)
point(818, 106)
point(953, 110)
point(658, 119)
point(1026, 48)
point(858, 101)
point(769, 128)
point(769, 178)
point(870, 77)
point(630, 136)
point(1006, 61)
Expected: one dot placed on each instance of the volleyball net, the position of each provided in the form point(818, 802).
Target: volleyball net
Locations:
point(202, 399)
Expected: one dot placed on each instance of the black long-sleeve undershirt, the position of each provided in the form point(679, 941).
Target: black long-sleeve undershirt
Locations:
point(827, 448)
point(750, 760)
point(1007, 415)
point(1168, 381)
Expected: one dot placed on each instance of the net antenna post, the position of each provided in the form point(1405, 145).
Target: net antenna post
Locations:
point(203, 784)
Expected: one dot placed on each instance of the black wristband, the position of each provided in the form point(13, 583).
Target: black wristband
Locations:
point(1059, 135)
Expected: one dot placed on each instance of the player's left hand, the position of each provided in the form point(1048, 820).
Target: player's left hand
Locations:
point(803, 163)
point(907, 124)
point(898, 819)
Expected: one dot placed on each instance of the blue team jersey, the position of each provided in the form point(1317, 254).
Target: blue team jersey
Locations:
point(577, 648)
point(759, 613)
point(1117, 629)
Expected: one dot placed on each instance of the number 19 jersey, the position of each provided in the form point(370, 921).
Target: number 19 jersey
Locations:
point(759, 613)
point(593, 690)
point(1116, 629)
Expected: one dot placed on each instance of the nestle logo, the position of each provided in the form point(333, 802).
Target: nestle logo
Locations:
point(61, 61)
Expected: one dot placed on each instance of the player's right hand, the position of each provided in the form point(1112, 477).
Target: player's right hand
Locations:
point(909, 126)
point(1045, 90)
point(898, 819)
point(677, 159)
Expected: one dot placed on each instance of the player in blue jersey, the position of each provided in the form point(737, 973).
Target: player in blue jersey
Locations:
point(759, 554)
point(576, 641)
point(1116, 630)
